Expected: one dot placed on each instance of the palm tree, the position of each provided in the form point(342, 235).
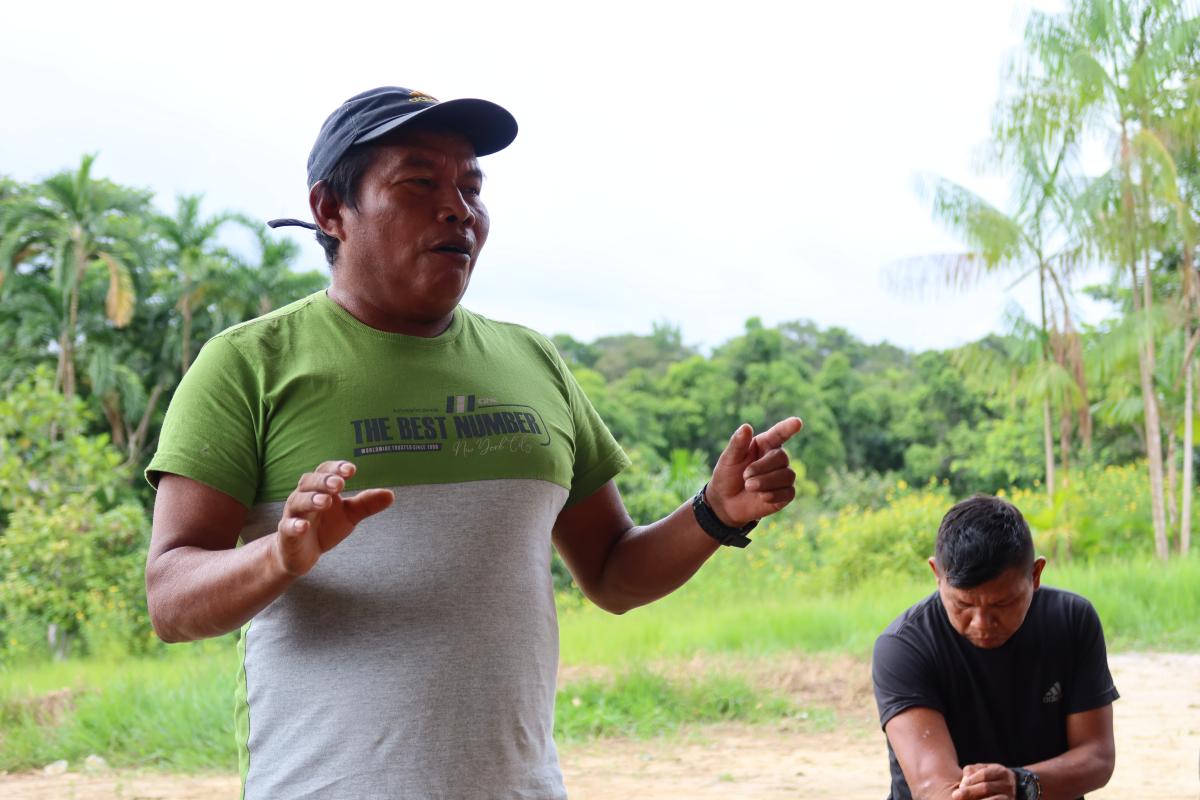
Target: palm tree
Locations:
point(270, 282)
point(1126, 63)
point(198, 262)
point(63, 229)
point(1034, 137)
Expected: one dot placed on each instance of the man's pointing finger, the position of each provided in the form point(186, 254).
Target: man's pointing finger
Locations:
point(778, 433)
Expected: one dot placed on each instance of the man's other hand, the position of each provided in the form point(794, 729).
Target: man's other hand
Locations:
point(986, 782)
point(752, 478)
point(316, 518)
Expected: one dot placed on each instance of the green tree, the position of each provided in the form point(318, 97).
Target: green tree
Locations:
point(654, 353)
point(62, 231)
point(73, 538)
point(1034, 136)
point(199, 265)
point(253, 288)
point(1127, 63)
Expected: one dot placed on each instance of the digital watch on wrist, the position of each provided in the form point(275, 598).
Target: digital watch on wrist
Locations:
point(712, 525)
point(1029, 785)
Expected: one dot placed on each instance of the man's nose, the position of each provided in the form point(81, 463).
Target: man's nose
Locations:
point(455, 208)
point(985, 621)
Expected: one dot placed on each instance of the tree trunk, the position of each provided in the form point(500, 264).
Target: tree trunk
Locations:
point(1172, 482)
point(1153, 427)
point(186, 350)
point(116, 421)
point(68, 338)
point(137, 439)
point(1142, 306)
point(1047, 417)
point(1064, 442)
point(59, 641)
point(1048, 439)
point(1185, 510)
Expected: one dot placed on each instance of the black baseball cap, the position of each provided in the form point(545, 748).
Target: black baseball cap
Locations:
point(371, 114)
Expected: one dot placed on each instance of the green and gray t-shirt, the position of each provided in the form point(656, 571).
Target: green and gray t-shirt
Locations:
point(418, 659)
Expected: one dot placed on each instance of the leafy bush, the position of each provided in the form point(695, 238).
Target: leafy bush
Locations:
point(1100, 511)
point(857, 543)
point(74, 541)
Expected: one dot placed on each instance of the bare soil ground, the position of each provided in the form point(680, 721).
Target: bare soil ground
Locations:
point(1157, 728)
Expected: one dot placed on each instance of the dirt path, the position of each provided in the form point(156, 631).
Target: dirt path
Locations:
point(1157, 725)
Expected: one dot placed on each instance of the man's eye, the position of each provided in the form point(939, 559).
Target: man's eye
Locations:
point(422, 182)
point(472, 191)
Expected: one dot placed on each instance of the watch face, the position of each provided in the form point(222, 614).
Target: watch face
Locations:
point(1029, 787)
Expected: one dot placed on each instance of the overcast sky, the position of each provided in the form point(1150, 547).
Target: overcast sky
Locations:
point(692, 162)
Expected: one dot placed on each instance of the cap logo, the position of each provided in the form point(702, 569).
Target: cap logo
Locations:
point(421, 97)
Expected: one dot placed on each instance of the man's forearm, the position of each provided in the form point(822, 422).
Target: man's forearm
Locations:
point(1078, 771)
point(193, 593)
point(651, 561)
point(934, 789)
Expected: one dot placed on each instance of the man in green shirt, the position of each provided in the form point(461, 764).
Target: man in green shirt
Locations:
point(395, 468)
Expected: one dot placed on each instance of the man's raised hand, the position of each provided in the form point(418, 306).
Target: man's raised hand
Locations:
point(316, 517)
point(752, 478)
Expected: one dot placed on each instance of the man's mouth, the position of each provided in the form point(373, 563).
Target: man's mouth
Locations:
point(462, 248)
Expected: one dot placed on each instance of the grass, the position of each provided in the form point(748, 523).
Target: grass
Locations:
point(176, 712)
point(1143, 605)
point(641, 704)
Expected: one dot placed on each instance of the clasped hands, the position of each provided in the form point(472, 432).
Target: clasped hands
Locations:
point(986, 782)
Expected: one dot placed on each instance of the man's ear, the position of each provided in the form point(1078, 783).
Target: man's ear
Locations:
point(1039, 564)
point(326, 210)
point(933, 566)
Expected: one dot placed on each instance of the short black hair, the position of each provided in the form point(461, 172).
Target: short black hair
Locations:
point(980, 538)
point(343, 183)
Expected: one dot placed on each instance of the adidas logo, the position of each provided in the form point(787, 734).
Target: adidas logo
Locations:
point(1053, 694)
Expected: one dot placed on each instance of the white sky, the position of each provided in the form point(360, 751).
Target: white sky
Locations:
point(693, 162)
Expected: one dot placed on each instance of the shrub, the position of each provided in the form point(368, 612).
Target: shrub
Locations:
point(73, 541)
point(857, 543)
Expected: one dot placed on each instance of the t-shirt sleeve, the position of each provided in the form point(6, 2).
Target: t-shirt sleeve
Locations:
point(598, 457)
point(902, 678)
point(213, 426)
point(1092, 686)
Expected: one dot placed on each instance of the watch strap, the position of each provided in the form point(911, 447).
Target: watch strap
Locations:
point(711, 524)
point(1029, 785)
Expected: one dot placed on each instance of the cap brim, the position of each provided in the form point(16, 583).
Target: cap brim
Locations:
point(489, 127)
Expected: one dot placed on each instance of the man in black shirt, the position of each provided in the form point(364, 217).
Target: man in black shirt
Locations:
point(993, 686)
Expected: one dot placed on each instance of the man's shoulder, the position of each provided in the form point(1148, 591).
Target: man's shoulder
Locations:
point(502, 327)
point(915, 637)
point(1063, 598)
point(916, 619)
point(268, 326)
point(1059, 609)
point(499, 333)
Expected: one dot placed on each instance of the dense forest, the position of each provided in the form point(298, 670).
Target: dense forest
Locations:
point(105, 299)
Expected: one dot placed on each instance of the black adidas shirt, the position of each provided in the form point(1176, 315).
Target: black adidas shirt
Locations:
point(1007, 705)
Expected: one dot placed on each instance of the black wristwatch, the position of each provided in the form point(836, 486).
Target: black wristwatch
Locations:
point(1029, 785)
point(712, 525)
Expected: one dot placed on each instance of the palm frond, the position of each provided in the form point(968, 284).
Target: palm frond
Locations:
point(119, 300)
point(991, 235)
